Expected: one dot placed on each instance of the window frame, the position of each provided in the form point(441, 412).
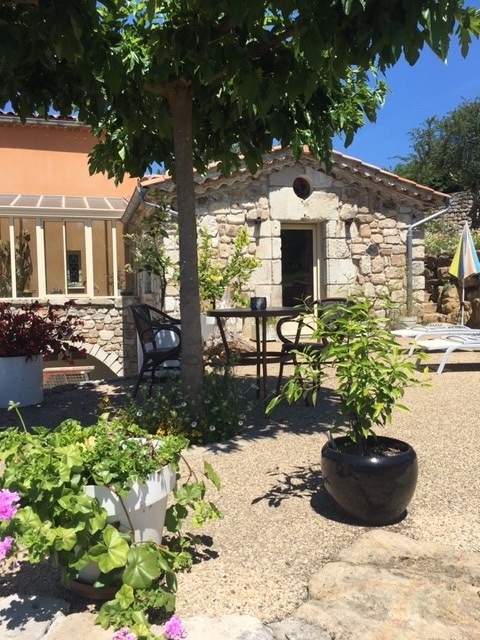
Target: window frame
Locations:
point(88, 288)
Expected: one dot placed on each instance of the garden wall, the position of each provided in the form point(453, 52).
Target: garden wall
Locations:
point(441, 288)
point(443, 291)
point(110, 336)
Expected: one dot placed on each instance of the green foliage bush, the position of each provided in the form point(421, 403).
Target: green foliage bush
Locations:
point(221, 415)
point(56, 518)
point(442, 237)
point(371, 370)
point(216, 276)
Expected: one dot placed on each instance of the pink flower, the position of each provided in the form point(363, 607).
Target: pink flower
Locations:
point(174, 630)
point(124, 634)
point(5, 547)
point(7, 507)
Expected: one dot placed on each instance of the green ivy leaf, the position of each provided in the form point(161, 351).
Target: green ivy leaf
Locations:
point(65, 539)
point(212, 475)
point(190, 493)
point(125, 596)
point(142, 568)
point(174, 517)
point(113, 553)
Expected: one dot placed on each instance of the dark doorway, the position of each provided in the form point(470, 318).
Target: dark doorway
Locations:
point(297, 266)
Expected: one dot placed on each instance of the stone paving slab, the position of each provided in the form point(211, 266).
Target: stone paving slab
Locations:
point(29, 618)
point(389, 586)
point(385, 586)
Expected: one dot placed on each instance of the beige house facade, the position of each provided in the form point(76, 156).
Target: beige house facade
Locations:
point(61, 235)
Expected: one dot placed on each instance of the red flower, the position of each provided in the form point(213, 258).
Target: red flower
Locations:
point(33, 330)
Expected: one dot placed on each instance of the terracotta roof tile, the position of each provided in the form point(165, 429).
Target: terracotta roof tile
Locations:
point(282, 157)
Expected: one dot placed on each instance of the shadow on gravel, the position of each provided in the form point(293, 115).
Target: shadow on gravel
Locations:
point(79, 402)
point(299, 418)
point(85, 402)
point(306, 483)
point(301, 484)
point(21, 611)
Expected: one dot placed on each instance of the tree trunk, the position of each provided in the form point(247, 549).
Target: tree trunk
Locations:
point(180, 98)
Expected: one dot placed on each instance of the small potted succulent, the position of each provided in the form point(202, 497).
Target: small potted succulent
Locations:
point(370, 477)
point(66, 479)
point(27, 333)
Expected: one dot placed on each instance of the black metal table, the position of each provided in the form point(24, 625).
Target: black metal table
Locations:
point(260, 357)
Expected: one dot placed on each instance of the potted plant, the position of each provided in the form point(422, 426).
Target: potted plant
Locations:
point(218, 278)
point(28, 332)
point(59, 477)
point(370, 477)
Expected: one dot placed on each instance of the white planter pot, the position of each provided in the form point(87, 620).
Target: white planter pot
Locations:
point(146, 505)
point(21, 380)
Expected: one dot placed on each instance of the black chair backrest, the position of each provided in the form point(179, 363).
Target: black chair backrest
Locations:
point(149, 321)
point(313, 310)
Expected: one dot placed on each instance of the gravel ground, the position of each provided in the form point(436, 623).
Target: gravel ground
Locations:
point(279, 526)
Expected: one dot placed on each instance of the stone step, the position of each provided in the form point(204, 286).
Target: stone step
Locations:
point(429, 318)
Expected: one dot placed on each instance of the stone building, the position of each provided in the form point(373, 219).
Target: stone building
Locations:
point(317, 233)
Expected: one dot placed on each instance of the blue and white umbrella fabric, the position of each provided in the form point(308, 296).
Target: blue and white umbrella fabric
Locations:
point(465, 263)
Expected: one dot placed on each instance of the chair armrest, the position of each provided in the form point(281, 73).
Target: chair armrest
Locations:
point(282, 322)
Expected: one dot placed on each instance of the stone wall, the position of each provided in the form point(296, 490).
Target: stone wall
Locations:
point(460, 206)
point(110, 334)
point(443, 290)
point(361, 233)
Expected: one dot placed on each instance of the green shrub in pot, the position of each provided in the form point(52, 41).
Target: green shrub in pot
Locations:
point(371, 372)
point(49, 470)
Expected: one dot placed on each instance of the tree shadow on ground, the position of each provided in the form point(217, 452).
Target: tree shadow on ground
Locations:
point(87, 401)
point(300, 418)
point(83, 402)
point(21, 610)
point(305, 483)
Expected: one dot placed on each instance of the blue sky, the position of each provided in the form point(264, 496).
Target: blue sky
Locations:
point(429, 88)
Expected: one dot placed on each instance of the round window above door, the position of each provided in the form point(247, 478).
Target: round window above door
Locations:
point(302, 187)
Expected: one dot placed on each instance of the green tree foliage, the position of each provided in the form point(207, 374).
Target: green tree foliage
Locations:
point(182, 81)
point(446, 153)
point(217, 277)
point(147, 247)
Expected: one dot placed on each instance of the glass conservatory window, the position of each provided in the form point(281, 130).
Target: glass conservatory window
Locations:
point(54, 257)
point(26, 275)
point(74, 269)
point(75, 257)
point(60, 257)
point(5, 260)
point(103, 258)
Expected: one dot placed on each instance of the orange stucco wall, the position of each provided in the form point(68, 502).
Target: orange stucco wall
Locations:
point(39, 159)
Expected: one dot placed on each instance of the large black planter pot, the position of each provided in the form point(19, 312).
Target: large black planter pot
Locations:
point(373, 490)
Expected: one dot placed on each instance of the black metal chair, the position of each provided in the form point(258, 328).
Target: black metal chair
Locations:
point(307, 320)
point(160, 337)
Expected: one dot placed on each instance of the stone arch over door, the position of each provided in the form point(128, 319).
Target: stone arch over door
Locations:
point(110, 360)
point(110, 336)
